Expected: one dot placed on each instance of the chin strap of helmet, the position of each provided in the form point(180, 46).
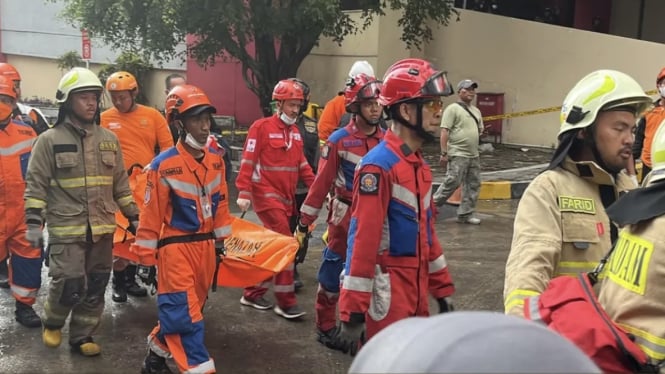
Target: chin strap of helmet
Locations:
point(590, 140)
point(418, 127)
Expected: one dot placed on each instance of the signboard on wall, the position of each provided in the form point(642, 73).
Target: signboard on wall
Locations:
point(86, 48)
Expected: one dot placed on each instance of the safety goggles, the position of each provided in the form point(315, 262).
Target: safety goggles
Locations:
point(437, 85)
point(369, 91)
point(433, 106)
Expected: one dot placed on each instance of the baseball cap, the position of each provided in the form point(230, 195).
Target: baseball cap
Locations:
point(466, 83)
point(470, 342)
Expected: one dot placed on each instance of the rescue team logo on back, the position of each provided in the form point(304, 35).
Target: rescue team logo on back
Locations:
point(629, 264)
point(251, 145)
point(369, 183)
point(576, 205)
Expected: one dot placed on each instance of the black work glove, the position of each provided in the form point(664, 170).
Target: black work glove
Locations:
point(220, 250)
point(302, 235)
point(148, 275)
point(133, 225)
point(445, 305)
point(349, 337)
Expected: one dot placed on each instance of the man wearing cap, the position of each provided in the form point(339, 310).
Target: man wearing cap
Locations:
point(461, 126)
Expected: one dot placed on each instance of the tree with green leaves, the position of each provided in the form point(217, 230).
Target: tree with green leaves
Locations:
point(283, 32)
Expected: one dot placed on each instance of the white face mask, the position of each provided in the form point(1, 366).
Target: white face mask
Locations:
point(286, 119)
point(189, 139)
point(661, 90)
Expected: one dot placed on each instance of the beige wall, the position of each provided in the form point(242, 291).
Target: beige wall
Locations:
point(535, 65)
point(327, 67)
point(40, 78)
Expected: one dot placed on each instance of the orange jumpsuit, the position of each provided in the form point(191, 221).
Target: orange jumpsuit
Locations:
point(185, 211)
point(330, 117)
point(141, 133)
point(25, 266)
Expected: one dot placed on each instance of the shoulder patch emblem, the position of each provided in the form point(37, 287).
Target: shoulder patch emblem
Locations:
point(251, 145)
point(325, 151)
point(369, 183)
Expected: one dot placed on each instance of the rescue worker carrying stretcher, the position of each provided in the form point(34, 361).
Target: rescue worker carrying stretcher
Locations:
point(185, 219)
point(394, 257)
point(25, 275)
point(561, 227)
point(76, 179)
point(272, 163)
point(141, 130)
point(339, 156)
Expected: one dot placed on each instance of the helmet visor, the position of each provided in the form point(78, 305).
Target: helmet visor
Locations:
point(369, 91)
point(437, 85)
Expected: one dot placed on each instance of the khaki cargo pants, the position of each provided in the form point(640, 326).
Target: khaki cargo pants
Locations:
point(79, 274)
point(464, 171)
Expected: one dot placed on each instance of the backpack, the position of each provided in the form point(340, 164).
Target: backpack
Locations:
point(570, 307)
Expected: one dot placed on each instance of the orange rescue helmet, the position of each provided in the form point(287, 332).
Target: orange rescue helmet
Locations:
point(121, 81)
point(186, 100)
point(6, 89)
point(288, 90)
point(9, 71)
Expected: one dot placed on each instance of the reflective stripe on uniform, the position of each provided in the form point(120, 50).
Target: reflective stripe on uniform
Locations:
point(278, 197)
point(534, 310)
point(80, 230)
point(652, 345)
point(284, 288)
point(125, 200)
point(181, 186)
point(206, 367)
point(15, 148)
point(437, 264)
point(309, 210)
point(359, 284)
point(155, 345)
point(516, 298)
point(23, 292)
point(147, 243)
point(574, 267)
point(81, 319)
point(222, 231)
point(279, 168)
point(349, 156)
point(427, 200)
point(405, 195)
point(89, 181)
point(303, 165)
point(32, 203)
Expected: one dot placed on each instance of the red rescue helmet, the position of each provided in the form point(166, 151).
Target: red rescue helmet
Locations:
point(359, 88)
point(9, 72)
point(186, 100)
point(6, 89)
point(288, 90)
point(412, 79)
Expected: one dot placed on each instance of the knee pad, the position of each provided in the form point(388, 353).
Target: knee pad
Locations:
point(96, 286)
point(72, 291)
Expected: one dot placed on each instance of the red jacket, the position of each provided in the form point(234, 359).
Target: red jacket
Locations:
point(339, 157)
point(392, 226)
point(272, 161)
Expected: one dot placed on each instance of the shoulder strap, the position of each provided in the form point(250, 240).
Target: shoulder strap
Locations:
point(468, 111)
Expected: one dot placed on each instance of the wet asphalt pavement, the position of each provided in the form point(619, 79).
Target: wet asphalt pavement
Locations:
point(244, 340)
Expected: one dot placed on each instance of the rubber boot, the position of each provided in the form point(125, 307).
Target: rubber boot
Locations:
point(26, 316)
point(119, 287)
point(87, 347)
point(52, 338)
point(154, 364)
point(131, 286)
point(4, 274)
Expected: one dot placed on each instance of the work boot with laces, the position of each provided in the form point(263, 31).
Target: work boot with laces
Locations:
point(154, 364)
point(27, 316)
point(133, 288)
point(329, 338)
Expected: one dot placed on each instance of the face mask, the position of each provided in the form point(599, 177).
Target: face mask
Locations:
point(286, 119)
point(661, 90)
point(189, 139)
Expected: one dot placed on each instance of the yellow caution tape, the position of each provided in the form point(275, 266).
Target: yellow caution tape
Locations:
point(537, 111)
point(485, 119)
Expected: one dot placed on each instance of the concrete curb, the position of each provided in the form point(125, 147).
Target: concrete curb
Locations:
point(498, 190)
